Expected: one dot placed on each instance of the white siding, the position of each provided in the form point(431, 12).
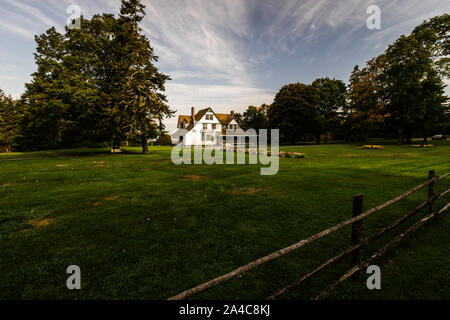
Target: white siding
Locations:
point(194, 136)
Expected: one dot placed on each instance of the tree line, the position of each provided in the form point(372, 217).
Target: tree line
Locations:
point(399, 94)
point(95, 85)
point(98, 85)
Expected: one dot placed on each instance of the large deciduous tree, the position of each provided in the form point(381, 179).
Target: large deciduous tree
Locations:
point(295, 111)
point(366, 109)
point(333, 95)
point(96, 83)
point(254, 118)
point(412, 89)
point(435, 33)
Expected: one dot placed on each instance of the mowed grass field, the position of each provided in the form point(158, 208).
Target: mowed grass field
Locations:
point(140, 227)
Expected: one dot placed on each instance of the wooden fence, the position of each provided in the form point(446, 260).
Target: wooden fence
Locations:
point(357, 241)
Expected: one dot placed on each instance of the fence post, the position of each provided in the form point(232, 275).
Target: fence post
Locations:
point(431, 174)
point(358, 201)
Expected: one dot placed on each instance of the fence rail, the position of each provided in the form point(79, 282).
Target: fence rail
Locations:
point(357, 241)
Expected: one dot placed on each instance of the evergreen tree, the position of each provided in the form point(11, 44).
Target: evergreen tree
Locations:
point(142, 92)
point(10, 117)
point(43, 98)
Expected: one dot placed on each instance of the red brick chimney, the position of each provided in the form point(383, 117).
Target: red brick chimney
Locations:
point(232, 113)
point(193, 114)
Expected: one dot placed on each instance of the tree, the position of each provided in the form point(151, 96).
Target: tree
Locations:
point(164, 139)
point(332, 94)
point(411, 86)
point(10, 117)
point(96, 83)
point(295, 112)
point(366, 109)
point(254, 118)
point(142, 91)
point(43, 97)
point(435, 33)
point(402, 88)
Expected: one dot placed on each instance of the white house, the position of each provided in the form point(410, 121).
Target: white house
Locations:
point(205, 128)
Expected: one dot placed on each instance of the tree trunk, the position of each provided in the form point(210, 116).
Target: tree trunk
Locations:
point(409, 138)
point(144, 144)
point(317, 138)
point(400, 136)
point(116, 144)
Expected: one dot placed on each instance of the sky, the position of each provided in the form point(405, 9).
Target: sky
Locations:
point(227, 54)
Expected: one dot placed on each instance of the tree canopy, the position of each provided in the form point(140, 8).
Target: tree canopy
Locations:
point(95, 84)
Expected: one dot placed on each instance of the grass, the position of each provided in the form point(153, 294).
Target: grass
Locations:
point(142, 228)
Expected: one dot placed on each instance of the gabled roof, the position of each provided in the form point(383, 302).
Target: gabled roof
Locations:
point(181, 119)
point(224, 119)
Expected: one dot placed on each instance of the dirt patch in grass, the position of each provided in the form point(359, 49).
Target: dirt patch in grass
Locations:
point(194, 178)
point(37, 223)
point(98, 164)
point(62, 165)
point(5, 184)
point(112, 198)
point(107, 199)
point(246, 191)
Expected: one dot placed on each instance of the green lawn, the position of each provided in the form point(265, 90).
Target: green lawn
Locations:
point(142, 228)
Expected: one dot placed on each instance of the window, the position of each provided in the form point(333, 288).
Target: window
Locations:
point(235, 127)
point(209, 117)
point(231, 127)
point(214, 126)
point(203, 137)
point(205, 126)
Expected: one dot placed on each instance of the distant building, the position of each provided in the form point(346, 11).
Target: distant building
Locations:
point(205, 128)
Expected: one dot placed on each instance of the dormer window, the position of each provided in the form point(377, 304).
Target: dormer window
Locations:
point(205, 126)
